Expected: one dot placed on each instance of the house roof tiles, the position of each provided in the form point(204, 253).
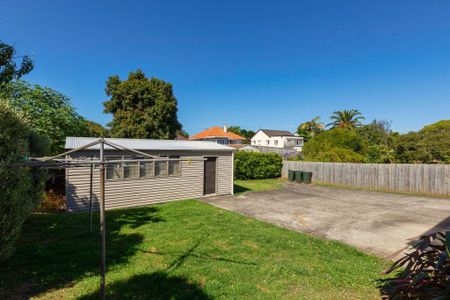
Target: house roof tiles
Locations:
point(215, 132)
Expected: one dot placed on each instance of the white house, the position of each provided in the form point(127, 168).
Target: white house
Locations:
point(277, 139)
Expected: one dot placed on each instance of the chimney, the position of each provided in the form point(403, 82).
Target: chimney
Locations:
point(225, 127)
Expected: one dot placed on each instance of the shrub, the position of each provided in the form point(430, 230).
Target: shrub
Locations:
point(21, 188)
point(256, 165)
point(336, 145)
point(292, 155)
point(424, 272)
point(431, 144)
point(339, 155)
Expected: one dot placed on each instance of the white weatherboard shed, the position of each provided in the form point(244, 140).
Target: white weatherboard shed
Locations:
point(197, 169)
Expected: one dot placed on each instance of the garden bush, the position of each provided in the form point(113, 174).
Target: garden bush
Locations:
point(423, 272)
point(339, 155)
point(21, 189)
point(336, 145)
point(256, 165)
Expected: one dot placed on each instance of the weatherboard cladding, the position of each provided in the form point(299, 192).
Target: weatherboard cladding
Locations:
point(122, 193)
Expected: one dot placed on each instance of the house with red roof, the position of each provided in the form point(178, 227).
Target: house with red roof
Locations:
point(219, 135)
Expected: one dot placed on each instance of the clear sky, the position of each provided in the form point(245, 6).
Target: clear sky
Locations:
point(270, 64)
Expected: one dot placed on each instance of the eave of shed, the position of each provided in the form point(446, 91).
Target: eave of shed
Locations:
point(148, 144)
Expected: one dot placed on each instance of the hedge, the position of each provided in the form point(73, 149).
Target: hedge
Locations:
point(21, 188)
point(256, 165)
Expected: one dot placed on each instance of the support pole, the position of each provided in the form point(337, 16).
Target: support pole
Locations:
point(102, 219)
point(90, 199)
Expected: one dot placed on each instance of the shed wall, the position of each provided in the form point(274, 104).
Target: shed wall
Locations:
point(120, 193)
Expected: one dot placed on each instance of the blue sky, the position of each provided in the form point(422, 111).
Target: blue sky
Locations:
point(270, 64)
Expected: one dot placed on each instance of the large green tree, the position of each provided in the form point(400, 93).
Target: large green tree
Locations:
point(9, 70)
point(96, 130)
point(431, 144)
point(347, 119)
point(310, 128)
point(247, 133)
point(141, 107)
point(336, 145)
point(381, 140)
point(49, 112)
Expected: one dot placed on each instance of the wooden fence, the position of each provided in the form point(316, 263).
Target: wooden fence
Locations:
point(409, 178)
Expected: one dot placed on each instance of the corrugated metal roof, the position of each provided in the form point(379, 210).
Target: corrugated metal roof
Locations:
point(271, 132)
point(147, 144)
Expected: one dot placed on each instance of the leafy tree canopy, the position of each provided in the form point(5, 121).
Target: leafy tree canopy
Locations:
point(336, 145)
point(49, 112)
point(9, 70)
point(347, 119)
point(431, 144)
point(248, 134)
point(381, 141)
point(96, 130)
point(183, 133)
point(311, 128)
point(141, 107)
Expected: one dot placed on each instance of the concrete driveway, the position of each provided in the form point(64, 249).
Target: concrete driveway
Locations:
point(378, 223)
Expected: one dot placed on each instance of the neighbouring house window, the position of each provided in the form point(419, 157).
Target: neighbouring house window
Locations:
point(275, 142)
point(161, 168)
point(113, 171)
point(145, 169)
point(268, 142)
point(174, 166)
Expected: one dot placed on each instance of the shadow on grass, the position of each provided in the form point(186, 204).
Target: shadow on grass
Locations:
point(158, 285)
point(191, 252)
point(240, 189)
point(57, 249)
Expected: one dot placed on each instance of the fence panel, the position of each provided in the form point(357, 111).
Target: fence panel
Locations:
point(409, 178)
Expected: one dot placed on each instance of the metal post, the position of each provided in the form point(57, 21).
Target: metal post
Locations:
point(102, 219)
point(90, 199)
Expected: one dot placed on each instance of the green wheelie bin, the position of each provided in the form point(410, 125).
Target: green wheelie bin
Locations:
point(307, 176)
point(291, 175)
point(299, 176)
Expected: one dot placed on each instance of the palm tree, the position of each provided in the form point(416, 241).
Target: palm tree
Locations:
point(348, 119)
point(311, 128)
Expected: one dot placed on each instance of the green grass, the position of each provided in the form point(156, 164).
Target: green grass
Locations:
point(257, 185)
point(183, 250)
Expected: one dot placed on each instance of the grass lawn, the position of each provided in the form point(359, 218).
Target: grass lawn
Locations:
point(241, 186)
point(182, 250)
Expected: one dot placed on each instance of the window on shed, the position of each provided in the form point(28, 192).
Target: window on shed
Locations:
point(131, 170)
point(161, 168)
point(146, 169)
point(113, 171)
point(174, 166)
